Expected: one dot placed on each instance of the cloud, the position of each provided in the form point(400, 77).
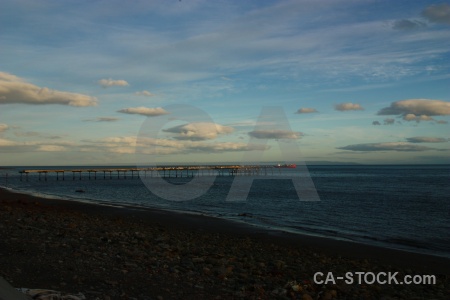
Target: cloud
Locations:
point(348, 106)
point(111, 82)
point(376, 123)
point(102, 119)
point(424, 139)
point(15, 90)
point(408, 25)
point(158, 146)
point(275, 134)
point(26, 133)
point(144, 93)
point(6, 143)
point(3, 127)
point(145, 111)
point(222, 147)
point(388, 121)
point(391, 146)
point(51, 148)
point(417, 107)
point(306, 110)
point(229, 147)
point(413, 117)
point(9, 146)
point(442, 122)
point(199, 131)
point(437, 13)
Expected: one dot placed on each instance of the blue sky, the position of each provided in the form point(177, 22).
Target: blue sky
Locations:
point(84, 82)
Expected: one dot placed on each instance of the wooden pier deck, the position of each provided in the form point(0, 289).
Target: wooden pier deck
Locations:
point(164, 171)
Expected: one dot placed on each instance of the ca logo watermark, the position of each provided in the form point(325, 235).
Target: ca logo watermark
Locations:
point(272, 124)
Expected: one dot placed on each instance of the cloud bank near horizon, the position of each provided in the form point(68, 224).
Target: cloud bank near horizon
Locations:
point(389, 146)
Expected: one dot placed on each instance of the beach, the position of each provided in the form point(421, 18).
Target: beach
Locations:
point(108, 252)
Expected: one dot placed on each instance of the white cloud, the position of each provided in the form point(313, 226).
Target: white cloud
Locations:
point(227, 147)
point(121, 145)
point(184, 146)
point(438, 13)
point(348, 106)
point(306, 110)
point(145, 111)
point(391, 146)
point(10, 146)
point(417, 107)
point(51, 148)
point(275, 134)
point(199, 131)
point(159, 146)
point(7, 143)
point(413, 117)
point(144, 93)
point(15, 90)
point(111, 82)
point(424, 139)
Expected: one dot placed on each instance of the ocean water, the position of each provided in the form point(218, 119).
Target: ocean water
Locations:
point(403, 207)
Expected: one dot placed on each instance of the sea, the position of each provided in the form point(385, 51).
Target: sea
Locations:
point(403, 207)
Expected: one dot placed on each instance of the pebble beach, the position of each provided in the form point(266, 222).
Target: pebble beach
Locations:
point(107, 252)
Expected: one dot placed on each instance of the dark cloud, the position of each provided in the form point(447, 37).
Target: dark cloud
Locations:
point(424, 139)
point(388, 121)
point(437, 13)
point(376, 123)
point(275, 134)
point(392, 146)
point(102, 119)
point(144, 111)
point(408, 24)
point(26, 133)
point(417, 107)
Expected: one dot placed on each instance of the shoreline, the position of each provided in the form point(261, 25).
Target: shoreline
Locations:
point(211, 224)
point(343, 245)
point(111, 252)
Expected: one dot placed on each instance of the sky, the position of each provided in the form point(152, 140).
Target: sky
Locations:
point(201, 81)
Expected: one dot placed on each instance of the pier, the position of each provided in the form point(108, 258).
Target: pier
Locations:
point(164, 171)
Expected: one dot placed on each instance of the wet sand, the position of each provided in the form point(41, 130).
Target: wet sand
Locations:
point(126, 253)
